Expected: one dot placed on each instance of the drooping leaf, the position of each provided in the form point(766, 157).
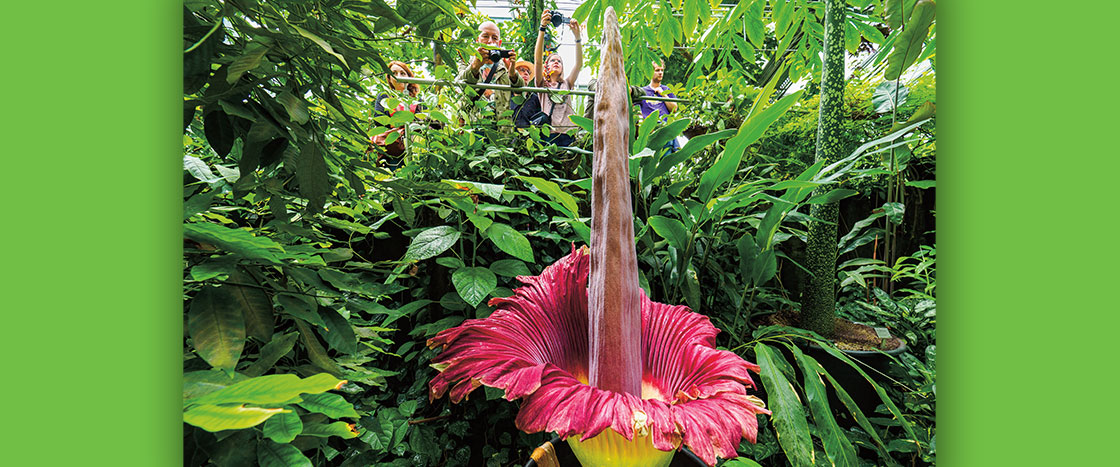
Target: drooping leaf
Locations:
point(318, 40)
point(249, 59)
point(255, 305)
point(219, 131)
point(271, 454)
point(312, 174)
point(199, 383)
point(510, 241)
point(238, 241)
point(788, 414)
point(431, 242)
point(474, 284)
point(888, 97)
point(663, 135)
point(894, 212)
point(693, 146)
point(283, 427)
point(302, 307)
point(553, 191)
point(271, 353)
point(214, 268)
point(315, 351)
point(832, 196)
point(331, 405)
point(296, 107)
point(217, 417)
point(836, 445)
point(216, 327)
point(338, 333)
point(908, 46)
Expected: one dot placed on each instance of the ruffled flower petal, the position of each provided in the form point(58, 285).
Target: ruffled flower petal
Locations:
point(534, 347)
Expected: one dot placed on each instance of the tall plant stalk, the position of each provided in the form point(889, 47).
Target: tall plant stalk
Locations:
point(818, 305)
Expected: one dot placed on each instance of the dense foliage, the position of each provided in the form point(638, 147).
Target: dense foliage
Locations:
point(305, 258)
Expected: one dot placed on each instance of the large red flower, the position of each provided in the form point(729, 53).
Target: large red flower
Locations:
point(535, 348)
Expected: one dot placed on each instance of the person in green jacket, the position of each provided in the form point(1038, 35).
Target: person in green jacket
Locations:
point(479, 68)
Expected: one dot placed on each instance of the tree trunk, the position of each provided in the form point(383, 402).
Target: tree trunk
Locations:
point(818, 305)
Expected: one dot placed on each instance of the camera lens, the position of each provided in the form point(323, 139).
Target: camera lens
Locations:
point(557, 18)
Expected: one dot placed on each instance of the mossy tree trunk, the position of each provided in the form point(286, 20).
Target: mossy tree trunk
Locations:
point(818, 304)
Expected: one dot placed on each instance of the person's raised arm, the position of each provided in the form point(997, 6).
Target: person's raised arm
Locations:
point(574, 26)
point(538, 50)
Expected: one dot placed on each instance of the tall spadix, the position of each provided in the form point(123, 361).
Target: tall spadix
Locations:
point(614, 315)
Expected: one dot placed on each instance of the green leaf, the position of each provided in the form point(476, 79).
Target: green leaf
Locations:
point(269, 389)
point(312, 174)
point(510, 241)
point(318, 40)
point(360, 283)
point(315, 351)
point(670, 229)
point(249, 60)
point(270, 454)
point(663, 135)
point(488, 189)
point(216, 327)
point(583, 122)
point(219, 131)
point(302, 307)
point(296, 107)
point(896, 12)
point(200, 383)
point(923, 184)
point(217, 418)
point(924, 111)
point(693, 146)
point(474, 284)
point(832, 196)
point(237, 241)
point(836, 445)
point(692, 289)
point(341, 429)
point(283, 427)
point(553, 191)
point(788, 414)
point(338, 332)
point(431, 242)
point(404, 210)
point(908, 46)
point(214, 268)
point(894, 212)
point(884, 99)
point(255, 305)
point(509, 268)
point(331, 405)
point(271, 353)
point(449, 262)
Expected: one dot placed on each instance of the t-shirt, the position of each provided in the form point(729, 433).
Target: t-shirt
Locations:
point(560, 112)
point(647, 107)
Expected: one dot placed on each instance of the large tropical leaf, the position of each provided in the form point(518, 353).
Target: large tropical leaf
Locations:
point(217, 327)
point(474, 284)
point(909, 44)
point(510, 241)
point(269, 389)
point(836, 444)
point(788, 414)
point(283, 427)
point(431, 242)
point(211, 417)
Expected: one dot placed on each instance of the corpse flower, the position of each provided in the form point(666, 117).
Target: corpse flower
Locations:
point(625, 380)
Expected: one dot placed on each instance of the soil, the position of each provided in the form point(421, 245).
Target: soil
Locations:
point(848, 335)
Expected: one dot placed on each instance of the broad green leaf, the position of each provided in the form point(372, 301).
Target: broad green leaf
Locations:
point(583, 122)
point(474, 284)
point(896, 12)
point(238, 241)
point(255, 305)
point(788, 414)
point(693, 146)
point(553, 191)
point(313, 177)
point(663, 135)
point(748, 257)
point(741, 462)
point(379, 431)
point(338, 332)
point(923, 184)
point(509, 268)
point(510, 241)
point(296, 107)
point(249, 60)
point(449, 262)
point(891, 407)
point(431, 242)
point(216, 327)
point(318, 40)
point(214, 268)
point(894, 212)
point(924, 111)
point(270, 389)
point(688, 22)
point(344, 225)
point(271, 353)
point(692, 289)
point(331, 405)
point(219, 131)
point(302, 307)
point(200, 383)
point(851, 37)
point(756, 29)
point(283, 427)
point(341, 429)
point(888, 96)
point(404, 210)
point(908, 46)
point(360, 283)
point(199, 169)
point(315, 351)
point(270, 454)
point(488, 189)
point(670, 229)
point(217, 418)
point(765, 266)
point(836, 445)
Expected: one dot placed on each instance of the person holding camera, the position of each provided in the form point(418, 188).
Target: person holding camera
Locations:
point(497, 65)
point(549, 73)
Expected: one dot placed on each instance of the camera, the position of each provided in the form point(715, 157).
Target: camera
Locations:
point(499, 54)
point(558, 18)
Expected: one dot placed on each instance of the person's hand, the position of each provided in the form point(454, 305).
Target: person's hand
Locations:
point(484, 54)
point(546, 18)
point(511, 60)
point(574, 26)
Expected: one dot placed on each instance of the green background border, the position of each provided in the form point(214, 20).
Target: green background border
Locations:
point(1027, 112)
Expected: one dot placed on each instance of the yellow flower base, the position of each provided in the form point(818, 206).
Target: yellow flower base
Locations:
point(610, 449)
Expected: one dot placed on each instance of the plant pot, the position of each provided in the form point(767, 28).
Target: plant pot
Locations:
point(872, 362)
point(564, 457)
